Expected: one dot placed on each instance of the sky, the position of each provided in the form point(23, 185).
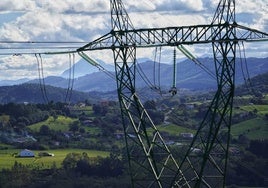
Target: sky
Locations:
point(86, 20)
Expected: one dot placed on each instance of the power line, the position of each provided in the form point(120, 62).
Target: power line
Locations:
point(41, 77)
point(43, 42)
point(38, 47)
point(41, 52)
point(71, 78)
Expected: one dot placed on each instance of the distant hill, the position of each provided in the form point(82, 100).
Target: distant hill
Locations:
point(82, 68)
point(188, 75)
point(257, 84)
point(33, 94)
point(97, 81)
point(13, 82)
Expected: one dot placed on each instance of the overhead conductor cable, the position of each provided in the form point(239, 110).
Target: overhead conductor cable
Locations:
point(190, 56)
point(95, 64)
point(71, 78)
point(41, 77)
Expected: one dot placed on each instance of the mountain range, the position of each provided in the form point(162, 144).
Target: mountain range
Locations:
point(189, 75)
point(83, 68)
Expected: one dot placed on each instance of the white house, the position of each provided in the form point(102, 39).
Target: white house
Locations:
point(187, 135)
point(26, 153)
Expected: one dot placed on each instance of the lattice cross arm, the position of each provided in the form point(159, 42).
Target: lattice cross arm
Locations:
point(172, 36)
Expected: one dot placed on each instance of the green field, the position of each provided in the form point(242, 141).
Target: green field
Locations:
point(61, 123)
point(254, 129)
point(7, 159)
point(174, 130)
point(261, 109)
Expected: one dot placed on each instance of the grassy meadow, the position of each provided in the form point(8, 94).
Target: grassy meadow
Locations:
point(261, 109)
point(174, 130)
point(254, 129)
point(61, 123)
point(7, 158)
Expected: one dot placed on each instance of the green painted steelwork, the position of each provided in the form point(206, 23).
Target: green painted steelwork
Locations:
point(151, 161)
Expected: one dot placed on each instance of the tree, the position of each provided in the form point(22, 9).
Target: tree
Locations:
point(44, 130)
point(18, 176)
point(259, 148)
point(71, 160)
point(74, 127)
point(99, 109)
point(266, 116)
point(82, 130)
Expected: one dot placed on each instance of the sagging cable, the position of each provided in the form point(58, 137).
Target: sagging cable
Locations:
point(71, 78)
point(95, 64)
point(190, 56)
point(246, 76)
point(41, 77)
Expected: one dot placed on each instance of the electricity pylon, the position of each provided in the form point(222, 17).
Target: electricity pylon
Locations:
point(151, 161)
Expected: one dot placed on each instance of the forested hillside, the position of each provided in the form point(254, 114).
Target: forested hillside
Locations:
point(94, 124)
point(255, 85)
point(33, 93)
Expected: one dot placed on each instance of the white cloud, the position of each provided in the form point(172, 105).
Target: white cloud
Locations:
point(196, 5)
point(12, 32)
point(171, 5)
point(251, 6)
point(13, 67)
point(16, 5)
point(80, 20)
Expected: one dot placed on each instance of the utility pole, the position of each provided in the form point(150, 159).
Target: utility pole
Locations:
point(151, 161)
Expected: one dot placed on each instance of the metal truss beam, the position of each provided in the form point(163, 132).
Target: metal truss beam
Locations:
point(151, 162)
point(173, 36)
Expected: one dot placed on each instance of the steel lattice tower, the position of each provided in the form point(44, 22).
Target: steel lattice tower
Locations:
point(151, 162)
